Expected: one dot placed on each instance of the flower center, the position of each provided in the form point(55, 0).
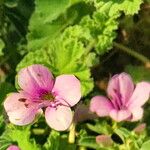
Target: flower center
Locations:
point(48, 96)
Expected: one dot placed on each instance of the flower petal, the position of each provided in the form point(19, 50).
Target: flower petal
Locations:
point(120, 115)
point(101, 105)
point(35, 79)
point(137, 114)
point(59, 118)
point(18, 109)
point(140, 95)
point(13, 147)
point(120, 89)
point(68, 88)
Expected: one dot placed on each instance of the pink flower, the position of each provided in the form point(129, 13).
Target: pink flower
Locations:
point(125, 101)
point(40, 90)
point(13, 147)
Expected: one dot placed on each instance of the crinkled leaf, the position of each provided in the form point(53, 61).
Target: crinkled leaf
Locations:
point(102, 28)
point(129, 7)
point(53, 141)
point(18, 135)
point(57, 142)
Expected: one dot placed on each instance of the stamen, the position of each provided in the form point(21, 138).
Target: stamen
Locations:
point(48, 96)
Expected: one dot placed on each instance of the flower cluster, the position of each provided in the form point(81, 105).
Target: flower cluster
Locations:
point(39, 91)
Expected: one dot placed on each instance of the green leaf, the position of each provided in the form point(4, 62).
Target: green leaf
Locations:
point(42, 26)
point(49, 10)
point(57, 142)
point(100, 127)
point(145, 145)
point(102, 28)
point(123, 133)
point(138, 73)
point(20, 135)
point(53, 141)
point(129, 7)
point(88, 141)
point(1, 47)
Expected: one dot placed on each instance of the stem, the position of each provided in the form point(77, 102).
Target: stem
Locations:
point(71, 138)
point(133, 53)
point(82, 148)
point(38, 131)
point(114, 125)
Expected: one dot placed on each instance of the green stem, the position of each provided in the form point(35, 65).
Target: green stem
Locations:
point(133, 53)
point(114, 125)
point(38, 131)
point(71, 138)
point(82, 148)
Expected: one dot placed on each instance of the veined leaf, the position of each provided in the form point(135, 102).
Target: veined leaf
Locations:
point(53, 141)
point(42, 26)
point(129, 7)
point(57, 142)
point(20, 135)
